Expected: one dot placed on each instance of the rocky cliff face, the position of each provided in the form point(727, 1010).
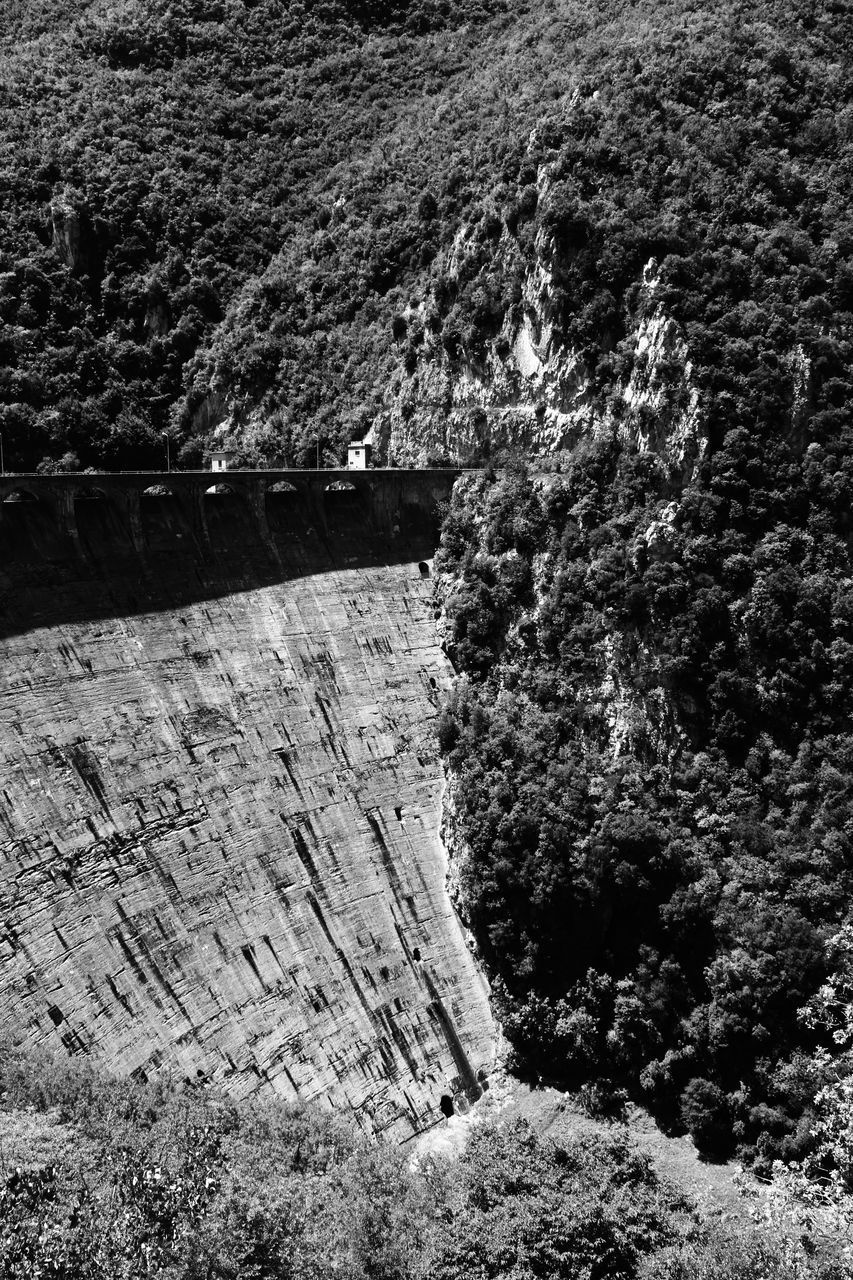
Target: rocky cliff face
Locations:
point(527, 389)
point(220, 807)
point(68, 231)
point(522, 392)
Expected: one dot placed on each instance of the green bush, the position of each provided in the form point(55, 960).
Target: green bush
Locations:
point(707, 1117)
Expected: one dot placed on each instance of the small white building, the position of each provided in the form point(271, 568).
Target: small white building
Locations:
point(220, 459)
point(358, 456)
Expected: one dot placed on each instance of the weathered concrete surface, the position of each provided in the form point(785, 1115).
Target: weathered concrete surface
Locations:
point(220, 800)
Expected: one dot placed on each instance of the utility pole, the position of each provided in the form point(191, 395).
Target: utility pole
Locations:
point(2, 459)
point(168, 456)
point(318, 453)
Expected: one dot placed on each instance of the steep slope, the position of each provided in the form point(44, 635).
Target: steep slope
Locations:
point(284, 226)
point(220, 807)
point(156, 160)
point(650, 773)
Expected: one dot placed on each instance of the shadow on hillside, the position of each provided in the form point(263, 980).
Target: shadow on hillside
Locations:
point(49, 578)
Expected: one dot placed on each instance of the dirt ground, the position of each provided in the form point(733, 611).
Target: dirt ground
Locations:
point(551, 1112)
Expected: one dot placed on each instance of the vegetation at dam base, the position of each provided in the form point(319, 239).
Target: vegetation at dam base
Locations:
point(133, 1181)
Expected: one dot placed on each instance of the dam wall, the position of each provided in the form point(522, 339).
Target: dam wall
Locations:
point(220, 792)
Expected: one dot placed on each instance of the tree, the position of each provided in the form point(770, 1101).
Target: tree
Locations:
point(528, 1207)
point(816, 1194)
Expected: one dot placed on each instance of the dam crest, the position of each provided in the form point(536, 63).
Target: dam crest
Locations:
point(384, 496)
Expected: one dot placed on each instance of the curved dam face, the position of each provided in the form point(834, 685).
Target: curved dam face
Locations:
point(220, 797)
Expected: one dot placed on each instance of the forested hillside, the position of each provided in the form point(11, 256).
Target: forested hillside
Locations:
point(650, 747)
point(215, 190)
point(295, 224)
point(651, 765)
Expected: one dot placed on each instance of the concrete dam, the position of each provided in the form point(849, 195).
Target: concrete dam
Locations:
point(220, 792)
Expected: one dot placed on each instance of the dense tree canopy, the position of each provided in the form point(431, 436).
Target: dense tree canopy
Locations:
point(649, 742)
point(655, 801)
point(159, 159)
point(225, 213)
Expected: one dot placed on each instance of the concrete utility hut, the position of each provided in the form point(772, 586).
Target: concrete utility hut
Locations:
point(358, 456)
point(220, 459)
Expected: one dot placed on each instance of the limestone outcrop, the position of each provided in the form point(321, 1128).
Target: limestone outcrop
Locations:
point(67, 234)
point(528, 389)
point(220, 801)
point(525, 391)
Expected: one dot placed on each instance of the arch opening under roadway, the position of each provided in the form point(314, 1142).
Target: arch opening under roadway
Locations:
point(89, 493)
point(19, 495)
